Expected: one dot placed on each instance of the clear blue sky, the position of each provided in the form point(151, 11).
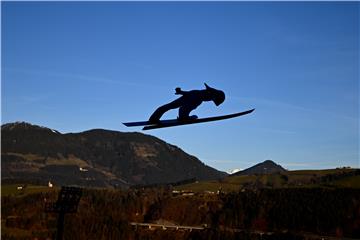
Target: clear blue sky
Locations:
point(74, 66)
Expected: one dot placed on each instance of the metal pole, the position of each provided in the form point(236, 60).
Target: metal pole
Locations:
point(60, 226)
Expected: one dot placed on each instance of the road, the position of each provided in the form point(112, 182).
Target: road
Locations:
point(165, 226)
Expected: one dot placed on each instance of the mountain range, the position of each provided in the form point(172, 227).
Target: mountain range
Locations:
point(98, 157)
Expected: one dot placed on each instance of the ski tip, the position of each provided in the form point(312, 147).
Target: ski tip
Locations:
point(135, 124)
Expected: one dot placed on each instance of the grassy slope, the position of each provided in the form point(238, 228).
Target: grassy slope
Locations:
point(11, 189)
point(353, 182)
point(232, 183)
point(299, 178)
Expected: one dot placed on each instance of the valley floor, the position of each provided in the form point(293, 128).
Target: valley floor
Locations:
point(166, 213)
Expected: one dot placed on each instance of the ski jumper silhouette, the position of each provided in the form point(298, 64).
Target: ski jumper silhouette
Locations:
point(189, 101)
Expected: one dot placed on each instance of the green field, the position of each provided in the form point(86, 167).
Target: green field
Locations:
point(299, 178)
point(289, 179)
point(349, 182)
point(12, 189)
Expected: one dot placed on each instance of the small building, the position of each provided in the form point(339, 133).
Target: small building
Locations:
point(187, 193)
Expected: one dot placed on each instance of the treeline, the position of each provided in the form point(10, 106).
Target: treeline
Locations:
point(102, 214)
point(322, 211)
point(334, 212)
point(329, 178)
point(105, 214)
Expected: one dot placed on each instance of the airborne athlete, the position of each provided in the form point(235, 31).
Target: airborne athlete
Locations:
point(189, 101)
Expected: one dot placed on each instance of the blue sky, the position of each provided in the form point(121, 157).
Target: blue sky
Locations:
point(74, 66)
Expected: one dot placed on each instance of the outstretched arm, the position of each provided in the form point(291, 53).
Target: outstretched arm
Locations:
point(178, 91)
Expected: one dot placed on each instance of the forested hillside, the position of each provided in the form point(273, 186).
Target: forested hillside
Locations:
point(106, 214)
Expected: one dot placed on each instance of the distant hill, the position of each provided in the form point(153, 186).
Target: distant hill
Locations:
point(266, 167)
point(96, 157)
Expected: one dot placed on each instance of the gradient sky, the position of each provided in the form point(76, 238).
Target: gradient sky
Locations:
point(74, 66)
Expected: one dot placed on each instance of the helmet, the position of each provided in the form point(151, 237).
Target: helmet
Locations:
point(217, 96)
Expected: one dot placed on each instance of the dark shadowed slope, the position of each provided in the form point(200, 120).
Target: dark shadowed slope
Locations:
point(94, 158)
point(265, 167)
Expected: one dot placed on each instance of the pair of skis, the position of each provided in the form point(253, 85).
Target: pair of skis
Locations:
point(176, 122)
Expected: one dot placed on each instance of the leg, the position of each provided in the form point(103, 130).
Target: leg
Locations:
point(155, 117)
point(184, 112)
